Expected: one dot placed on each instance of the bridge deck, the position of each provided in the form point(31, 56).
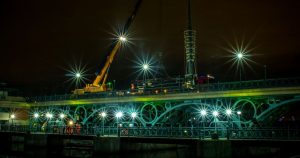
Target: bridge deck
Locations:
point(176, 96)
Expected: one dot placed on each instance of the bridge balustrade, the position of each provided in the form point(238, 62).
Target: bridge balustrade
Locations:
point(182, 132)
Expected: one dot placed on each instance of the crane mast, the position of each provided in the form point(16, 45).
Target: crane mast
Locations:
point(99, 84)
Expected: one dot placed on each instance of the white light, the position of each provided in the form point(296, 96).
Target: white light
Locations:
point(122, 38)
point(240, 55)
point(203, 112)
point(133, 115)
point(62, 115)
point(103, 114)
point(239, 112)
point(78, 75)
point(35, 115)
point(12, 116)
point(228, 112)
point(145, 66)
point(215, 113)
point(48, 115)
point(119, 114)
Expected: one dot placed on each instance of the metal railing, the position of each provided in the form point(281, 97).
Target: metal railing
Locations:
point(176, 132)
point(269, 83)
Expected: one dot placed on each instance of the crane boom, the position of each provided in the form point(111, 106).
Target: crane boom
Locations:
point(99, 83)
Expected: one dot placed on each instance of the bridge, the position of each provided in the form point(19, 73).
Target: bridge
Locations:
point(245, 104)
point(237, 114)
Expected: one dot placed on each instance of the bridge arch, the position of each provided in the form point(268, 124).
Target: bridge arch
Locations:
point(262, 116)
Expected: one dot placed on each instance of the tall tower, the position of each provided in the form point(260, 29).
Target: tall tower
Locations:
point(190, 51)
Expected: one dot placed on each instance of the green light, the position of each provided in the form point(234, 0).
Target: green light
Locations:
point(240, 55)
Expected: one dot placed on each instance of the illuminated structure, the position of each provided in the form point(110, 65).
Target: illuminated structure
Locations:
point(209, 105)
point(190, 52)
point(99, 84)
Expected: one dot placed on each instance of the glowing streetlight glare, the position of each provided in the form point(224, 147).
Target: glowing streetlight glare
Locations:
point(215, 113)
point(203, 112)
point(48, 115)
point(62, 115)
point(133, 115)
point(77, 75)
point(145, 67)
point(240, 55)
point(12, 116)
point(228, 112)
point(71, 123)
point(239, 112)
point(103, 114)
point(119, 114)
point(122, 38)
point(35, 115)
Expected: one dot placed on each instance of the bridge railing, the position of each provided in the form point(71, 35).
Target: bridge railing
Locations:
point(176, 132)
point(269, 83)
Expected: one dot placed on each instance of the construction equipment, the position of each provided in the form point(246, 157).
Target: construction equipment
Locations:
point(99, 84)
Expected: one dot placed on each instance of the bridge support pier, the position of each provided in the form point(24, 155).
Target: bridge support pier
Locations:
point(214, 149)
point(106, 145)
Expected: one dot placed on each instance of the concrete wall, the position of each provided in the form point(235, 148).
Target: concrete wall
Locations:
point(54, 145)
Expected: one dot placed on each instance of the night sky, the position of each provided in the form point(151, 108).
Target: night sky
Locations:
point(40, 39)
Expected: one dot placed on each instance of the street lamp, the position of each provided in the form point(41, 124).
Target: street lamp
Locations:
point(71, 123)
point(36, 115)
point(228, 113)
point(133, 116)
point(203, 114)
point(118, 116)
point(62, 116)
point(103, 115)
point(240, 57)
point(145, 67)
point(12, 116)
point(49, 115)
point(215, 114)
point(77, 75)
point(239, 113)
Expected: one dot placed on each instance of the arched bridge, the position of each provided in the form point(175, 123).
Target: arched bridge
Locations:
point(219, 105)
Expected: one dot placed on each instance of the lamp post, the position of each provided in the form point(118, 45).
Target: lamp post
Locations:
point(215, 114)
point(145, 68)
point(118, 116)
point(49, 117)
point(103, 115)
point(133, 116)
point(240, 57)
point(228, 113)
point(203, 114)
point(12, 117)
point(239, 113)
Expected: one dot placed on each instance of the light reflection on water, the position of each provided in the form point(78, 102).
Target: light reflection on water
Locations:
point(174, 153)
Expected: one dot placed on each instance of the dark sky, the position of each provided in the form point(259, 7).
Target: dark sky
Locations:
point(40, 39)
